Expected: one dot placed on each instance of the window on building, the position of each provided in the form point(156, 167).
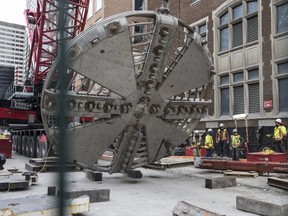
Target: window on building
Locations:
point(252, 29)
point(237, 12)
point(236, 22)
point(253, 91)
point(194, 1)
point(224, 39)
point(224, 33)
point(237, 34)
point(203, 31)
point(224, 93)
point(252, 6)
point(282, 86)
point(224, 19)
point(238, 99)
point(139, 5)
point(138, 29)
point(282, 18)
point(98, 4)
point(283, 94)
point(254, 98)
point(224, 80)
point(238, 77)
point(253, 74)
point(237, 28)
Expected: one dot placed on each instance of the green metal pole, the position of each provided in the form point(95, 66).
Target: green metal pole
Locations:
point(62, 121)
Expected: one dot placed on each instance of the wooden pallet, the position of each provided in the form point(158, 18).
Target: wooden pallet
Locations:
point(241, 174)
point(278, 182)
point(171, 162)
point(16, 181)
point(49, 164)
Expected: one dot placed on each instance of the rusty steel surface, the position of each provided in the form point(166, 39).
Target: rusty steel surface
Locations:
point(144, 91)
point(261, 157)
point(261, 167)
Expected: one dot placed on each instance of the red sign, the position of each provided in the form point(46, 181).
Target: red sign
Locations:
point(268, 104)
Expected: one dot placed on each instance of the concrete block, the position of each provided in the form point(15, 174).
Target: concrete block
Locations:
point(51, 191)
point(186, 209)
point(262, 206)
point(220, 182)
point(93, 175)
point(101, 195)
point(136, 174)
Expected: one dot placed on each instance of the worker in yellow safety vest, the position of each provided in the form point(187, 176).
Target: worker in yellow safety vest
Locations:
point(279, 136)
point(209, 143)
point(222, 139)
point(235, 144)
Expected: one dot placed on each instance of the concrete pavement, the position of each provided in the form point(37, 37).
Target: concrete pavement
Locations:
point(157, 193)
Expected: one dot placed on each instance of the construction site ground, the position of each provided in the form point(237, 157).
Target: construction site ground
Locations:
point(157, 192)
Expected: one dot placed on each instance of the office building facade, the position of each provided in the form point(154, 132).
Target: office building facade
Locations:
point(13, 43)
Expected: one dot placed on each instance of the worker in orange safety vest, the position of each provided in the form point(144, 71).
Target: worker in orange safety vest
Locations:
point(209, 143)
point(279, 135)
point(222, 139)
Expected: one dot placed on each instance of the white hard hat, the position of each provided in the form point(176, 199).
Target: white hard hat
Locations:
point(221, 125)
point(279, 121)
point(196, 132)
point(235, 130)
point(210, 130)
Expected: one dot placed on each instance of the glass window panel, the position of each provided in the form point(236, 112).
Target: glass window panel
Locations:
point(237, 12)
point(237, 34)
point(139, 5)
point(202, 28)
point(224, 39)
point(282, 18)
point(204, 37)
point(98, 4)
point(283, 68)
point(224, 101)
point(224, 18)
point(283, 95)
point(252, 29)
point(253, 74)
point(252, 6)
point(238, 77)
point(254, 98)
point(224, 80)
point(238, 100)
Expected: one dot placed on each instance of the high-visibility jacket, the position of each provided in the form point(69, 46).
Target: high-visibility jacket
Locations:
point(279, 132)
point(208, 141)
point(196, 141)
point(236, 141)
point(222, 135)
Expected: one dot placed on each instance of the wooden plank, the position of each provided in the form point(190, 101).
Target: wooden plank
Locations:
point(14, 183)
point(241, 174)
point(48, 167)
point(278, 182)
point(187, 209)
point(171, 162)
point(39, 205)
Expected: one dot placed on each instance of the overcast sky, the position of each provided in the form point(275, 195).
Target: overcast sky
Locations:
point(12, 11)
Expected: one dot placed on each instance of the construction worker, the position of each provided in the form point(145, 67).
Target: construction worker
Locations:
point(196, 143)
point(222, 140)
point(209, 142)
point(279, 135)
point(235, 144)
